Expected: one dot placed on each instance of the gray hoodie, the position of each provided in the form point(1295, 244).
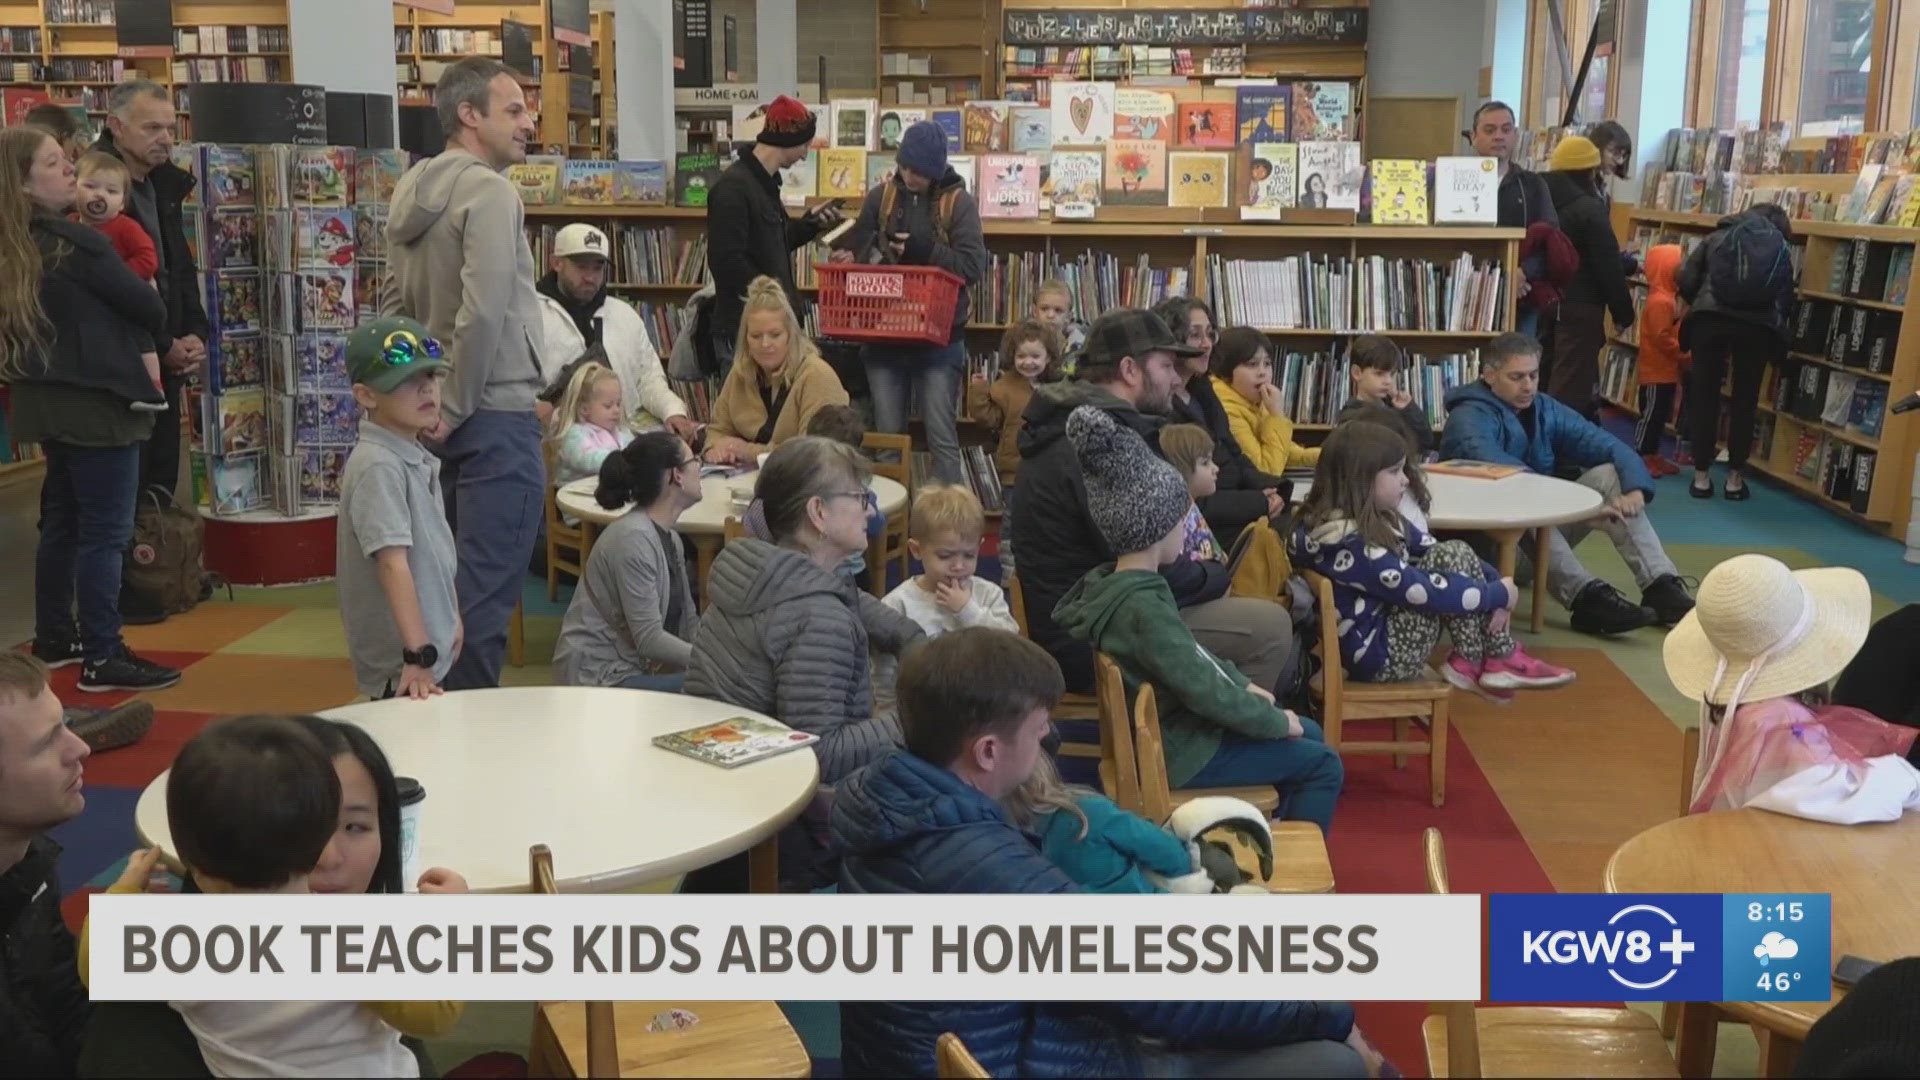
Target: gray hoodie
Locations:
point(791, 640)
point(459, 264)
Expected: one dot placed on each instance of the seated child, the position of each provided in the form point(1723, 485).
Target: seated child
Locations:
point(589, 424)
point(1100, 846)
point(944, 537)
point(1373, 362)
point(1053, 306)
point(1395, 588)
point(1767, 736)
point(1189, 449)
point(254, 803)
point(1030, 354)
point(102, 181)
point(1217, 728)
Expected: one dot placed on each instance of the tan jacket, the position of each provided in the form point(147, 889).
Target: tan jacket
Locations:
point(739, 412)
point(1001, 408)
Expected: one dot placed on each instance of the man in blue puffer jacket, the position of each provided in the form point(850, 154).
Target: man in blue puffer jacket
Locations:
point(974, 708)
point(1503, 418)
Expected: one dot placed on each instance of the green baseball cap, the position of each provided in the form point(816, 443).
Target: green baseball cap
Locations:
point(385, 353)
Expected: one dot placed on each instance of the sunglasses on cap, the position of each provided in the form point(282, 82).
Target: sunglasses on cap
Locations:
point(403, 347)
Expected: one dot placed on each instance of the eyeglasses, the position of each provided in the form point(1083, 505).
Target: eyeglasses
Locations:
point(403, 347)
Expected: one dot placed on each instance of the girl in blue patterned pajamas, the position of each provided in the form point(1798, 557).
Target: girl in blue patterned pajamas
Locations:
point(1395, 588)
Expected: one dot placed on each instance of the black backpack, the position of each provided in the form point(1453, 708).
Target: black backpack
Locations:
point(1749, 265)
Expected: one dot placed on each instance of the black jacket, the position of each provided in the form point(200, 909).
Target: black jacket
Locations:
point(1696, 288)
point(750, 234)
point(1602, 278)
point(1523, 199)
point(179, 281)
point(1412, 419)
point(43, 1003)
point(100, 312)
point(1239, 498)
point(964, 252)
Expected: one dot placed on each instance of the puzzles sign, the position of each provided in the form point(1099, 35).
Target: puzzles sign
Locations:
point(804, 948)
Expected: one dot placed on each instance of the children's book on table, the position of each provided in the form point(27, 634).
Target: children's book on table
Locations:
point(735, 742)
point(1479, 470)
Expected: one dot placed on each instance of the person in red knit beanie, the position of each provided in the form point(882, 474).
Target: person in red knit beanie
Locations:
point(102, 200)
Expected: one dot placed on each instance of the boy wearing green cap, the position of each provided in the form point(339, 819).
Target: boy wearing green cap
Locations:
point(395, 550)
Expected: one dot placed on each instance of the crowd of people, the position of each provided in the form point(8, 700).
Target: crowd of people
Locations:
point(1141, 449)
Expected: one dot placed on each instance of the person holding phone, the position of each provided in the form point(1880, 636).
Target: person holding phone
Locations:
point(748, 231)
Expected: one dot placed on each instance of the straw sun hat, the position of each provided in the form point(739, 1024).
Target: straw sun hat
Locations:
point(1759, 630)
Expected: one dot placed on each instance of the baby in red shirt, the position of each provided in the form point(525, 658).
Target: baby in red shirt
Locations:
point(103, 181)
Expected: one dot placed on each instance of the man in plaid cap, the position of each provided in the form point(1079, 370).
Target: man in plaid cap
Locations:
point(748, 231)
point(1127, 370)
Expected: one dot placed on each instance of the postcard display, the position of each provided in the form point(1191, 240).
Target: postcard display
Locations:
point(292, 250)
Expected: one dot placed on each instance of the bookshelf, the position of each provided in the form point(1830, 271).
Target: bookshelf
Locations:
point(1825, 408)
point(935, 49)
point(425, 42)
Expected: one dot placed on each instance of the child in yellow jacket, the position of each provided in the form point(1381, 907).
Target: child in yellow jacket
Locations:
point(1242, 367)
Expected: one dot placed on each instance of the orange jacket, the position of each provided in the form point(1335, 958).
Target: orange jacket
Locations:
point(1660, 356)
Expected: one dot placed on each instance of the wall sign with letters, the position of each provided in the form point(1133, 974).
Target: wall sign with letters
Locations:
point(1216, 26)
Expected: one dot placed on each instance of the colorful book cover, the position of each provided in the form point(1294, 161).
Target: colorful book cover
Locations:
point(233, 239)
point(1330, 175)
point(1142, 114)
point(894, 122)
point(1198, 178)
point(375, 173)
point(736, 742)
point(320, 362)
point(327, 299)
point(587, 183)
point(985, 126)
point(227, 176)
point(241, 363)
point(1399, 191)
point(879, 168)
point(693, 174)
point(1322, 112)
point(843, 173)
point(1075, 178)
point(538, 185)
point(640, 183)
point(800, 180)
point(323, 236)
point(236, 302)
point(1082, 112)
point(368, 279)
point(1206, 125)
point(321, 175)
point(1009, 186)
point(1263, 113)
point(853, 122)
point(954, 125)
point(233, 484)
point(963, 166)
point(749, 120)
point(1136, 173)
point(1032, 129)
point(326, 419)
point(1273, 175)
point(243, 421)
point(320, 470)
point(1466, 191)
point(370, 232)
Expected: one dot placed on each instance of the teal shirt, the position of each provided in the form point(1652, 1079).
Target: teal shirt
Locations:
point(1116, 851)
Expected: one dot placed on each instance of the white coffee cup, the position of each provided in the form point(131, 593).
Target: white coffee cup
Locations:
point(412, 796)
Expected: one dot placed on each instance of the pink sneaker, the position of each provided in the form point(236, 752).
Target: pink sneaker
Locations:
point(1518, 671)
point(1464, 674)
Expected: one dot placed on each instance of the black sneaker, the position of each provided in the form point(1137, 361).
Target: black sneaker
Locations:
point(1601, 609)
point(58, 652)
point(1668, 598)
point(126, 671)
point(110, 729)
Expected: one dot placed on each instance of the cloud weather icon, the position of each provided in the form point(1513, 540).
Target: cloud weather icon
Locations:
point(1776, 946)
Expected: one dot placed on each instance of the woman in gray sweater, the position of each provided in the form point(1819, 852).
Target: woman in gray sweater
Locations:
point(633, 616)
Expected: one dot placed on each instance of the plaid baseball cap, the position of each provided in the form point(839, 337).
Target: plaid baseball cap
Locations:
point(1126, 332)
point(387, 352)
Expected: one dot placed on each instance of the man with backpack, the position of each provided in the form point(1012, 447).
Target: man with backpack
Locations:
point(1739, 287)
point(922, 215)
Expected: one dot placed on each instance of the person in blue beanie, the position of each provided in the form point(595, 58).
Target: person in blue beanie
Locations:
point(922, 215)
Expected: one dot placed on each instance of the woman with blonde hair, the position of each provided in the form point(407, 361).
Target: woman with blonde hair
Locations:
point(71, 316)
point(777, 383)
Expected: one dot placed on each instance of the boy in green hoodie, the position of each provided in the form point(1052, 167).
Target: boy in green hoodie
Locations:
point(1219, 730)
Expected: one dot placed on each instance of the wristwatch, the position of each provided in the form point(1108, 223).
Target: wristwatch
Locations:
point(423, 657)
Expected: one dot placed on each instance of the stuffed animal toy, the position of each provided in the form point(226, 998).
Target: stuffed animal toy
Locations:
point(1216, 828)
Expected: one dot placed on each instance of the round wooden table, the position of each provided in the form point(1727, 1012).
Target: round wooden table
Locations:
point(1868, 869)
point(574, 768)
point(1505, 509)
point(705, 521)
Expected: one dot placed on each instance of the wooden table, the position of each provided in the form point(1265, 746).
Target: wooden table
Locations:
point(1869, 870)
point(574, 768)
point(1505, 509)
point(705, 521)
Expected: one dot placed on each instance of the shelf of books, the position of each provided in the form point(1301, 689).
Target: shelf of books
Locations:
point(934, 52)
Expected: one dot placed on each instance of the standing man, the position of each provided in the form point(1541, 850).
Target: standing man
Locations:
point(748, 231)
point(1523, 202)
point(140, 131)
point(43, 1004)
point(578, 315)
point(461, 267)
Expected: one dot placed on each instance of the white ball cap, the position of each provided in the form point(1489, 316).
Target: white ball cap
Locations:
point(581, 238)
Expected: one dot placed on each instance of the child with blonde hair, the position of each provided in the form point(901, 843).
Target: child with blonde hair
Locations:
point(589, 424)
point(1030, 354)
point(1053, 306)
point(944, 537)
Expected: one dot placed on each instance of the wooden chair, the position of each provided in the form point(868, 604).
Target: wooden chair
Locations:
point(732, 529)
point(893, 541)
point(951, 1061)
point(1119, 758)
point(1300, 863)
point(562, 537)
point(517, 636)
point(1465, 1041)
point(1423, 702)
point(733, 1038)
point(1073, 706)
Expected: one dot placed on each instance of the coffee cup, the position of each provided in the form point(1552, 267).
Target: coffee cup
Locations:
point(412, 795)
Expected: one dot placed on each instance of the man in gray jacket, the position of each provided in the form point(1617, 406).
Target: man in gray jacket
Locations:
point(460, 265)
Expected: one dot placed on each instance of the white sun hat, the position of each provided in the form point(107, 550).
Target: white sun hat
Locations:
point(1759, 630)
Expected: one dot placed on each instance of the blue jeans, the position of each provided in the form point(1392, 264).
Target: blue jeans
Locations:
point(86, 523)
point(1315, 1057)
point(1305, 771)
point(666, 683)
point(893, 371)
point(494, 482)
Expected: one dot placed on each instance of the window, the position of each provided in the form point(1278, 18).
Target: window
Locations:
point(1742, 63)
point(1835, 65)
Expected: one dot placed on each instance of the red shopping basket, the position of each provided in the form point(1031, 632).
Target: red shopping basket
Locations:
point(904, 304)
